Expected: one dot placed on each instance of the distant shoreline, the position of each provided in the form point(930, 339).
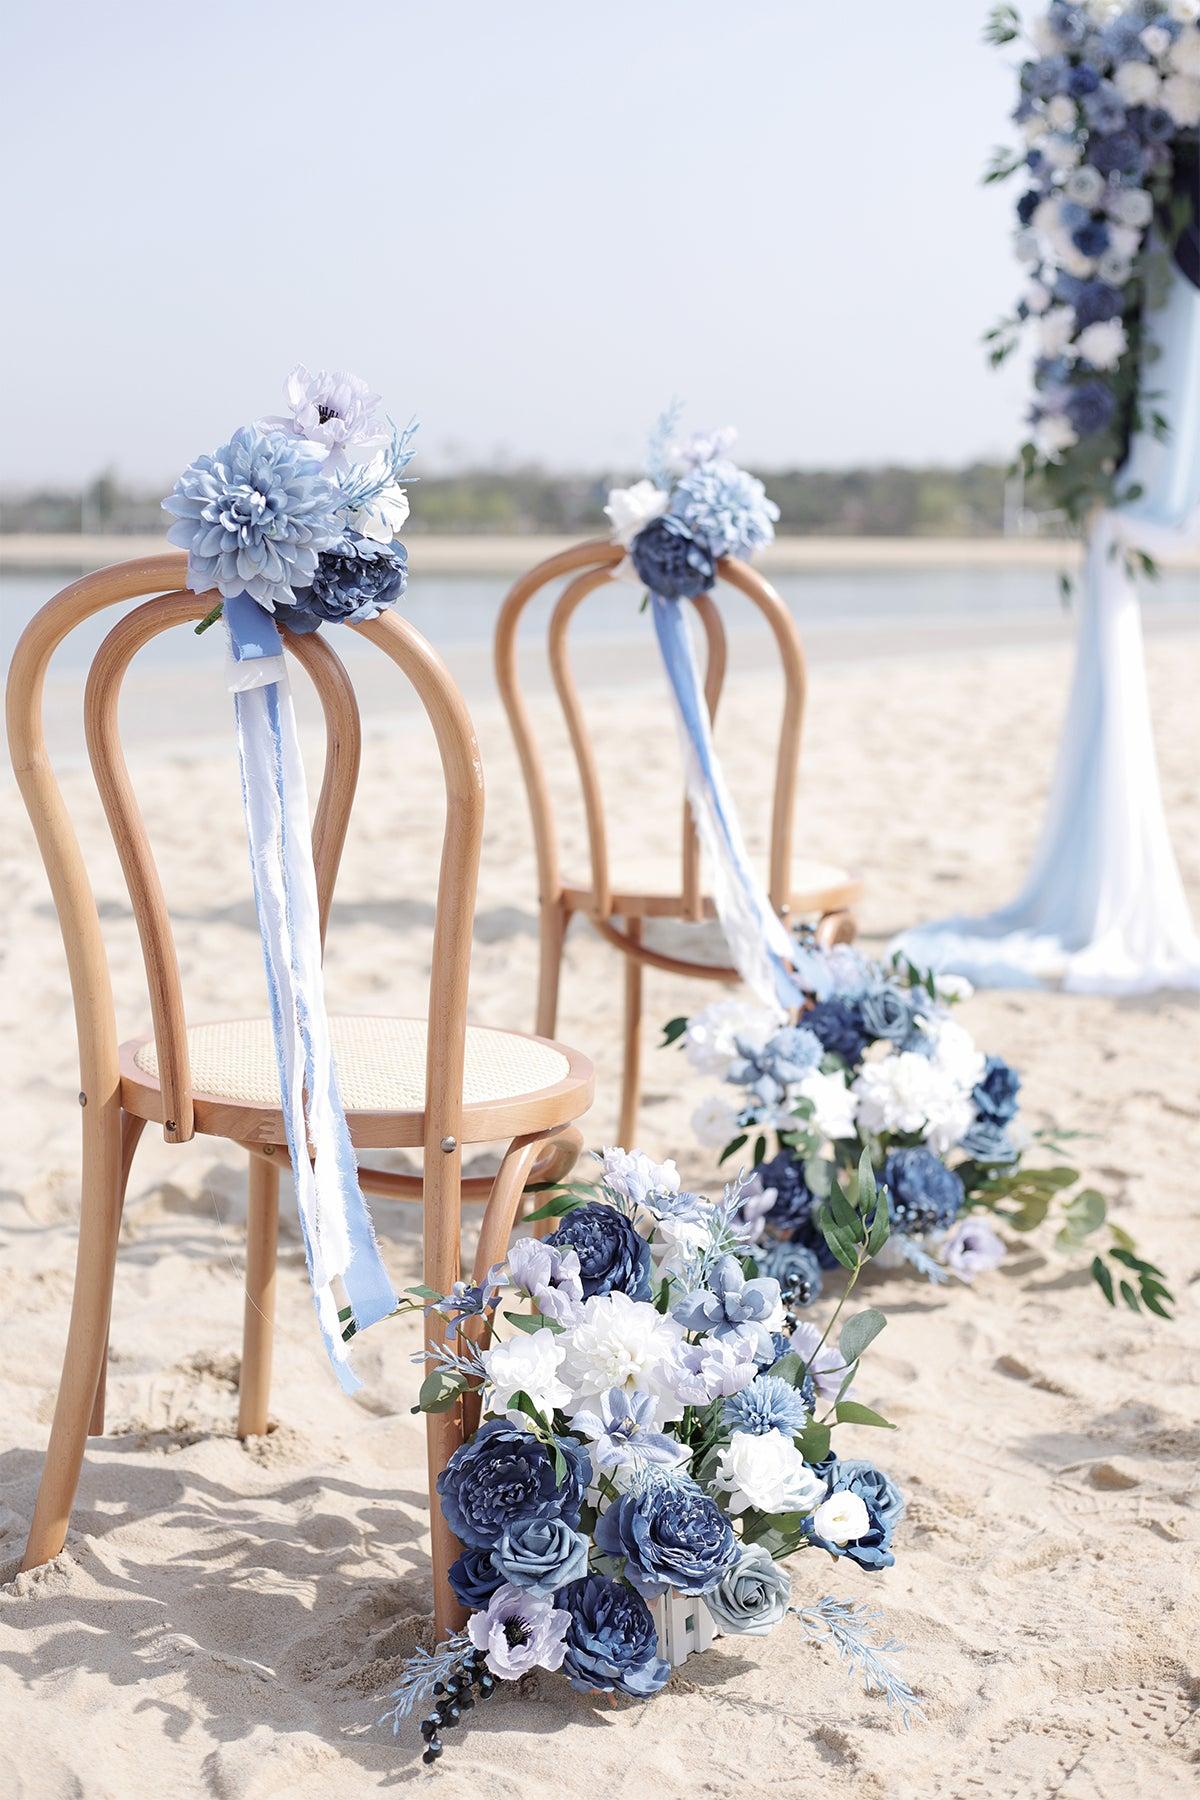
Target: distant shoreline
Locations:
point(30, 552)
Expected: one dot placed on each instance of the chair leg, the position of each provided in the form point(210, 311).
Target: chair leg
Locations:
point(131, 1134)
point(442, 1258)
point(99, 1227)
point(551, 937)
point(258, 1327)
point(839, 927)
point(631, 1073)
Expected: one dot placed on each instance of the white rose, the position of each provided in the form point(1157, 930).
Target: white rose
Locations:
point(1137, 83)
point(1037, 298)
point(1130, 206)
point(1185, 57)
point(842, 1519)
point(1047, 218)
point(1053, 434)
point(527, 1364)
point(1061, 112)
point(1060, 152)
point(1124, 241)
point(1033, 128)
point(715, 1122)
point(383, 518)
point(766, 1471)
point(832, 1103)
point(1084, 185)
point(1181, 98)
point(677, 1242)
point(953, 987)
point(1055, 330)
point(1156, 40)
point(1184, 12)
point(1103, 344)
point(631, 509)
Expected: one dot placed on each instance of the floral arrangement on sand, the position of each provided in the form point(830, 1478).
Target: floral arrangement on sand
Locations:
point(657, 1427)
point(1109, 108)
point(876, 1071)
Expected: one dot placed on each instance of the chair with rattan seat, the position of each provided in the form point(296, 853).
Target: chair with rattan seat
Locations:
point(405, 1083)
point(671, 925)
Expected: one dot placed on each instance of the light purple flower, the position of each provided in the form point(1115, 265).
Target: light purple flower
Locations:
point(519, 1631)
point(549, 1276)
point(827, 1366)
point(971, 1249)
point(332, 412)
point(622, 1433)
point(716, 1367)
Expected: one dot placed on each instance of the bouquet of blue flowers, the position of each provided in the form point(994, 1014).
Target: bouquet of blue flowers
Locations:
point(875, 1070)
point(657, 1426)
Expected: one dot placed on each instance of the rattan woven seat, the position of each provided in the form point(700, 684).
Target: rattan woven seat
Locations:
point(381, 1065)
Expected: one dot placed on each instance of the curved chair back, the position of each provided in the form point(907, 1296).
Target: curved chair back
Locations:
point(163, 577)
point(589, 567)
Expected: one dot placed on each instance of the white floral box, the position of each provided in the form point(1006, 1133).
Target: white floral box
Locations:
point(684, 1625)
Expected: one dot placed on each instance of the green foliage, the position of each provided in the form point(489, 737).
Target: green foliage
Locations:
point(731, 1147)
point(563, 1199)
point(860, 1330)
point(1002, 25)
point(1151, 1290)
point(439, 1391)
point(853, 1412)
point(673, 1030)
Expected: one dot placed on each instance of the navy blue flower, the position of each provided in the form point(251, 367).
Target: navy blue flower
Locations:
point(505, 1473)
point(355, 580)
point(475, 1578)
point(671, 1536)
point(612, 1640)
point(1091, 238)
point(1082, 80)
point(996, 1095)
point(923, 1194)
point(1105, 111)
point(1117, 154)
point(885, 1508)
point(671, 560)
point(1157, 125)
point(613, 1258)
point(1028, 204)
point(795, 1268)
point(839, 1026)
point(792, 1214)
point(1090, 407)
point(1093, 301)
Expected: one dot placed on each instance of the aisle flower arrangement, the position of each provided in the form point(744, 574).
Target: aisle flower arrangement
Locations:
point(657, 1426)
point(876, 1070)
point(1108, 112)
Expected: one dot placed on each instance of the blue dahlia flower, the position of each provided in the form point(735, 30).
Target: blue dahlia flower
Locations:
point(671, 560)
point(923, 1194)
point(1090, 407)
point(612, 1640)
point(839, 1026)
point(475, 1578)
point(1082, 80)
point(671, 1535)
point(885, 1509)
point(725, 507)
point(503, 1474)
point(254, 517)
point(355, 580)
point(795, 1268)
point(769, 1404)
point(996, 1095)
point(613, 1257)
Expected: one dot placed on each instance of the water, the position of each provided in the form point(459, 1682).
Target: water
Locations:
point(458, 611)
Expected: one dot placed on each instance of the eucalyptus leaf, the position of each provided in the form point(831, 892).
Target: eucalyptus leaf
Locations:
point(853, 1412)
point(439, 1391)
point(859, 1330)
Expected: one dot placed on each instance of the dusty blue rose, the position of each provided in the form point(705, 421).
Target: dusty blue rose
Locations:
point(504, 1474)
point(753, 1596)
point(671, 1536)
point(613, 1257)
point(612, 1642)
point(988, 1142)
point(1090, 407)
point(886, 1014)
point(885, 1508)
point(541, 1555)
point(671, 560)
point(795, 1268)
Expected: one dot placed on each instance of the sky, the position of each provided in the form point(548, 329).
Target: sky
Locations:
point(531, 225)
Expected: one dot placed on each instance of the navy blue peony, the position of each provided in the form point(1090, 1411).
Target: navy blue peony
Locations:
point(885, 1508)
point(671, 560)
point(839, 1026)
point(475, 1578)
point(613, 1258)
point(792, 1214)
point(354, 581)
point(505, 1474)
point(923, 1194)
point(671, 1536)
point(996, 1095)
point(612, 1640)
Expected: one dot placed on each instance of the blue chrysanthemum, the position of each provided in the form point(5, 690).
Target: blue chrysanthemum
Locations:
point(254, 517)
point(768, 1404)
point(726, 507)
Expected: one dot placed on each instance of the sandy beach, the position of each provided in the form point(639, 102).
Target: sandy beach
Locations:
point(227, 1618)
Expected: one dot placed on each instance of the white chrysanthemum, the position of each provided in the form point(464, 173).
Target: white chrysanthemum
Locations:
point(832, 1103)
point(894, 1093)
point(1181, 98)
point(1037, 298)
point(1103, 344)
point(1060, 152)
point(626, 1344)
point(842, 1519)
point(1137, 83)
point(1060, 112)
point(1185, 56)
point(1055, 330)
point(1053, 434)
point(711, 1039)
point(631, 509)
point(632, 1175)
point(765, 1470)
point(715, 1122)
point(950, 1113)
point(527, 1364)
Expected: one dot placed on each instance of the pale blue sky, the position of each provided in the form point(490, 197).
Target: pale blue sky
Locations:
point(530, 223)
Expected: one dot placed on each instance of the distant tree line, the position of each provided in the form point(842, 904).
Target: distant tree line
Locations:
point(888, 501)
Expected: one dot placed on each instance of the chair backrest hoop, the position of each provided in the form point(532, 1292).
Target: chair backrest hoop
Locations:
point(591, 566)
point(71, 887)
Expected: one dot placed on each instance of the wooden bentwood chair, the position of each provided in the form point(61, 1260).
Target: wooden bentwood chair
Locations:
point(819, 891)
point(404, 1084)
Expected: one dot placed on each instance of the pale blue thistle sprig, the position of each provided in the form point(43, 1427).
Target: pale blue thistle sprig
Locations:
point(421, 1672)
point(466, 1363)
point(920, 1259)
point(662, 440)
point(362, 483)
point(852, 1627)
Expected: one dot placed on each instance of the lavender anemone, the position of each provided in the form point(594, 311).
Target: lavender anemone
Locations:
point(254, 517)
point(519, 1631)
point(331, 412)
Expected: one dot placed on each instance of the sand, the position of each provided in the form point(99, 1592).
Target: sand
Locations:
point(226, 1618)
